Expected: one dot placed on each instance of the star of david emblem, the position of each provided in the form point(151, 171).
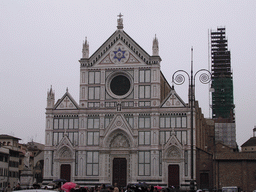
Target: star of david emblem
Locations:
point(119, 54)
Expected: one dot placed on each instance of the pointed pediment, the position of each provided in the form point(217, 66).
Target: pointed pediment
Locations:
point(119, 134)
point(118, 49)
point(173, 140)
point(173, 148)
point(173, 100)
point(65, 142)
point(65, 148)
point(66, 102)
point(120, 54)
point(106, 60)
point(118, 122)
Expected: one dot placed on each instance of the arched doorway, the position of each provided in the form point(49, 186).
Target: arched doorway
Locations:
point(65, 170)
point(174, 175)
point(119, 171)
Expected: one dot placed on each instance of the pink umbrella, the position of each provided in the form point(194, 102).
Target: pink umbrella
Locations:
point(158, 188)
point(67, 186)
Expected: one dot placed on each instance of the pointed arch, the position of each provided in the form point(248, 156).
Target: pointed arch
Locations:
point(173, 152)
point(111, 140)
point(64, 152)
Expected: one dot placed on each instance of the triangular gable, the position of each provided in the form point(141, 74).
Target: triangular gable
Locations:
point(173, 100)
point(106, 60)
point(173, 140)
point(66, 102)
point(173, 148)
point(119, 122)
point(120, 53)
point(134, 53)
point(119, 129)
point(65, 149)
point(65, 142)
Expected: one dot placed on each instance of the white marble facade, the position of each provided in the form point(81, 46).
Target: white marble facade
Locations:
point(121, 130)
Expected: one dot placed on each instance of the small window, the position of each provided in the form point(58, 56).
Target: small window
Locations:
point(144, 76)
point(94, 77)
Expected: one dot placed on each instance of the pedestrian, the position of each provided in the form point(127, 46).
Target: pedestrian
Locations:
point(8, 188)
point(116, 188)
point(103, 188)
point(17, 187)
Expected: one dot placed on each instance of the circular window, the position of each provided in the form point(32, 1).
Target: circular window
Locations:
point(119, 85)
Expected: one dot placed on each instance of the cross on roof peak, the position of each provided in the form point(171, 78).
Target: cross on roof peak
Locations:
point(120, 21)
point(120, 15)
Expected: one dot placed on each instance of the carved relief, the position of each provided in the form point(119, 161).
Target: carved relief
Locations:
point(66, 104)
point(119, 141)
point(106, 60)
point(119, 54)
point(173, 152)
point(118, 123)
point(65, 153)
point(132, 59)
point(173, 101)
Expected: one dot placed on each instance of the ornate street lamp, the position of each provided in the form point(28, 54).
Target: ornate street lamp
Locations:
point(178, 78)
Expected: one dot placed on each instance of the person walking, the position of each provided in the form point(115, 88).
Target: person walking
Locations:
point(8, 188)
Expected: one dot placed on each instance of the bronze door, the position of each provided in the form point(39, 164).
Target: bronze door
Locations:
point(119, 171)
point(174, 176)
point(65, 170)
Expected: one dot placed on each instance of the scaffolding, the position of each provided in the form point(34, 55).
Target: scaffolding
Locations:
point(222, 80)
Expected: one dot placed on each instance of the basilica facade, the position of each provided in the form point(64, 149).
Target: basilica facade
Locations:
point(128, 126)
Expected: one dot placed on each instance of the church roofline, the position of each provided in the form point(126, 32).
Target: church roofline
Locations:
point(137, 49)
point(62, 98)
point(166, 80)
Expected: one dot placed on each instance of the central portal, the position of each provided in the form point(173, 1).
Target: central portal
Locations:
point(119, 171)
point(65, 170)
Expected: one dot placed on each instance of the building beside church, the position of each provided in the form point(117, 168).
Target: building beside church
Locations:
point(128, 126)
point(250, 144)
point(222, 85)
point(9, 160)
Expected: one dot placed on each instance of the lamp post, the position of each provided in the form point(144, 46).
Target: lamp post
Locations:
point(178, 78)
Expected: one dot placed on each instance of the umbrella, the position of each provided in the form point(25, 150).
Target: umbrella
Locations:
point(143, 184)
point(67, 186)
point(60, 180)
point(158, 187)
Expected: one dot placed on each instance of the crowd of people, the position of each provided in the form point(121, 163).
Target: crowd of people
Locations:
point(9, 188)
point(102, 188)
point(115, 188)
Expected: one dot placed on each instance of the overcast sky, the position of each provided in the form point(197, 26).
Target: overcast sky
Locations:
point(41, 43)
